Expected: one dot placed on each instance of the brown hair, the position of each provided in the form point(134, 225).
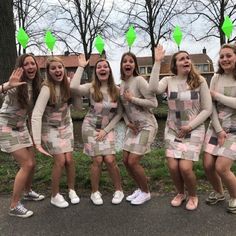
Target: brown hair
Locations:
point(22, 91)
point(220, 69)
point(194, 79)
point(96, 83)
point(64, 84)
point(136, 70)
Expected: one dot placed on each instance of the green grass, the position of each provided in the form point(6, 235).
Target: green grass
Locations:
point(154, 164)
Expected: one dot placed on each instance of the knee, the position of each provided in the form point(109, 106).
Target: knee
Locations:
point(208, 167)
point(132, 162)
point(29, 164)
point(110, 162)
point(69, 161)
point(60, 162)
point(221, 170)
point(186, 170)
point(97, 162)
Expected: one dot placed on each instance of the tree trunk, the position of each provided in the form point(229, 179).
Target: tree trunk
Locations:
point(7, 40)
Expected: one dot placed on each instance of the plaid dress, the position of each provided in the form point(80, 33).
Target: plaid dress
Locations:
point(14, 133)
point(140, 115)
point(226, 116)
point(98, 117)
point(184, 106)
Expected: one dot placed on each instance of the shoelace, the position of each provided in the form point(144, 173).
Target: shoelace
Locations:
point(21, 209)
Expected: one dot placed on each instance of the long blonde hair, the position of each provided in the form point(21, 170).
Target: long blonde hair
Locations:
point(220, 70)
point(96, 84)
point(193, 79)
point(64, 85)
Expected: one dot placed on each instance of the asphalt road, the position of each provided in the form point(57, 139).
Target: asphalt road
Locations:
point(155, 217)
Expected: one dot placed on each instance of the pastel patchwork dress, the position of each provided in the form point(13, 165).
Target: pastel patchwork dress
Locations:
point(223, 117)
point(14, 132)
point(101, 115)
point(52, 123)
point(186, 107)
point(138, 111)
point(98, 117)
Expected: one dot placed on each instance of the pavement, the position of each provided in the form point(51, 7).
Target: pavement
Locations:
point(155, 217)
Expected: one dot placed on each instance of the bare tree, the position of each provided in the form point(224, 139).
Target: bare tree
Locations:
point(7, 40)
point(153, 18)
point(31, 16)
point(211, 14)
point(83, 21)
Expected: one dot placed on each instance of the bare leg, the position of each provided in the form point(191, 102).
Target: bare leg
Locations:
point(186, 169)
point(223, 166)
point(209, 163)
point(58, 165)
point(173, 165)
point(26, 163)
point(95, 172)
point(137, 171)
point(70, 170)
point(113, 171)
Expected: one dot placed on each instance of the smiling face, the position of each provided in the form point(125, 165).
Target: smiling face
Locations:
point(103, 70)
point(183, 63)
point(128, 66)
point(29, 67)
point(227, 60)
point(56, 71)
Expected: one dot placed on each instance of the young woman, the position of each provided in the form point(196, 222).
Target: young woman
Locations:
point(51, 123)
point(189, 103)
point(137, 102)
point(97, 129)
point(220, 141)
point(14, 133)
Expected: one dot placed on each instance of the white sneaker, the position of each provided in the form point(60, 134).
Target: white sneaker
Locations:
point(117, 197)
point(96, 198)
point(141, 198)
point(74, 198)
point(133, 195)
point(59, 201)
point(33, 196)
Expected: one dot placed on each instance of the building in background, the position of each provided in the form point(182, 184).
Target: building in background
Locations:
point(201, 61)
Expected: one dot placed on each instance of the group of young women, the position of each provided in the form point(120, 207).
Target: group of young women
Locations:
point(45, 105)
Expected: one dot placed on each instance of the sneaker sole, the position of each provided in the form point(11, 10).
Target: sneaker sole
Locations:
point(136, 204)
point(21, 216)
point(215, 202)
point(33, 199)
point(59, 206)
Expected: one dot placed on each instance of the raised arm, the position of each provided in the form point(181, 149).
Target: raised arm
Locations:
point(14, 81)
point(36, 120)
point(155, 85)
point(75, 86)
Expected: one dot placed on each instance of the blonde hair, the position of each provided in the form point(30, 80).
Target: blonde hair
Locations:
point(221, 70)
point(193, 79)
point(64, 85)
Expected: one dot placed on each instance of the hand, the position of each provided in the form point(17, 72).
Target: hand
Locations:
point(128, 95)
point(15, 78)
point(100, 135)
point(213, 94)
point(134, 128)
point(184, 130)
point(221, 136)
point(159, 53)
point(41, 149)
point(82, 62)
point(71, 75)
